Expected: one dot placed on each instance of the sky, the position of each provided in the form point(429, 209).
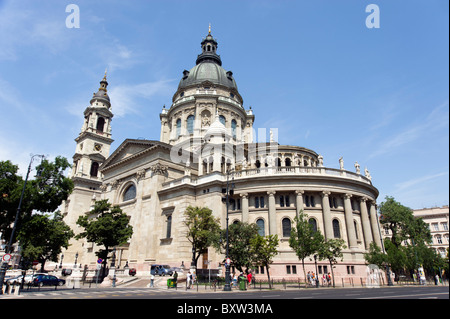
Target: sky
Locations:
point(314, 70)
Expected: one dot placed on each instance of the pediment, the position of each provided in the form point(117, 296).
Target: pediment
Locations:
point(129, 149)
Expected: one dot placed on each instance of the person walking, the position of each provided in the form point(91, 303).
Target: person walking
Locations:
point(249, 278)
point(152, 280)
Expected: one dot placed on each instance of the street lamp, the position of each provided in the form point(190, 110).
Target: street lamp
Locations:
point(8, 247)
point(76, 257)
point(317, 274)
point(227, 286)
point(60, 264)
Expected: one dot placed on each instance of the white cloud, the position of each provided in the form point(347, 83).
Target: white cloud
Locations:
point(437, 119)
point(420, 180)
point(124, 98)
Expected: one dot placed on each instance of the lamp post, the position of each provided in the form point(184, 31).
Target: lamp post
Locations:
point(76, 257)
point(8, 247)
point(113, 267)
point(60, 264)
point(227, 286)
point(317, 274)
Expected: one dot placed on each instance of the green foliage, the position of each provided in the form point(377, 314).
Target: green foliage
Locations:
point(44, 193)
point(263, 249)
point(42, 238)
point(107, 226)
point(239, 237)
point(203, 229)
point(304, 240)
point(407, 249)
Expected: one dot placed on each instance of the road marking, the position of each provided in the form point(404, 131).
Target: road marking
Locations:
point(401, 296)
point(270, 296)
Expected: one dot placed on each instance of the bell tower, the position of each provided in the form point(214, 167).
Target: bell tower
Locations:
point(93, 147)
point(94, 141)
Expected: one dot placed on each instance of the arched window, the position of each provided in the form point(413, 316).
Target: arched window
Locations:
point(178, 127)
point(100, 124)
point(286, 224)
point(356, 229)
point(260, 224)
point(313, 224)
point(130, 193)
point(287, 161)
point(233, 128)
point(278, 162)
point(94, 169)
point(190, 124)
point(336, 229)
point(222, 119)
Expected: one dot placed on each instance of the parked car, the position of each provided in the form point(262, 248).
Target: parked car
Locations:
point(161, 270)
point(47, 280)
point(14, 280)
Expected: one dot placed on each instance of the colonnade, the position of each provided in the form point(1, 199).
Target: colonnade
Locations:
point(369, 218)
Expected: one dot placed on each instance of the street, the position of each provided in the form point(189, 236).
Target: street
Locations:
point(384, 293)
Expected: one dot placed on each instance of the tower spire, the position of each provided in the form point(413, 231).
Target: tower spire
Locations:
point(209, 29)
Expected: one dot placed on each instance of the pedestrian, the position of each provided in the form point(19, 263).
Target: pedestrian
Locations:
point(324, 280)
point(249, 277)
point(152, 279)
point(193, 278)
point(308, 278)
point(329, 279)
point(235, 280)
point(175, 277)
point(188, 280)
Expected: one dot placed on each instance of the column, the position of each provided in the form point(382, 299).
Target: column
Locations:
point(365, 223)
point(299, 201)
point(351, 233)
point(244, 207)
point(272, 213)
point(374, 223)
point(327, 224)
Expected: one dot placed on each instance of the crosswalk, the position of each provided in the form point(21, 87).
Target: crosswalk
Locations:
point(98, 293)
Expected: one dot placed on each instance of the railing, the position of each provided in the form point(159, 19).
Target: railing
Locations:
point(270, 171)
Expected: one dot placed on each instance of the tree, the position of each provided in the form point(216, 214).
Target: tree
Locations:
point(239, 237)
point(203, 229)
point(304, 239)
point(42, 238)
point(106, 226)
point(263, 249)
point(407, 248)
point(44, 193)
point(332, 250)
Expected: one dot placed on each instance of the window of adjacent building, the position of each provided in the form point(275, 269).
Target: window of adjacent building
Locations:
point(190, 124)
point(445, 226)
point(336, 229)
point(261, 230)
point(130, 193)
point(435, 226)
point(286, 224)
point(439, 239)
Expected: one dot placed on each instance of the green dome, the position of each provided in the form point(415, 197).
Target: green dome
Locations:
point(208, 71)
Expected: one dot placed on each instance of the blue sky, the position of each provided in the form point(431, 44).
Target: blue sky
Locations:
point(312, 69)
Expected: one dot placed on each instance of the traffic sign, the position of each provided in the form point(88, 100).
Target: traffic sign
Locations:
point(35, 263)
point(6, 257)
point(99, 261)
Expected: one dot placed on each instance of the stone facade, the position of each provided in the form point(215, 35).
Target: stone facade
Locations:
point(207, 138)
